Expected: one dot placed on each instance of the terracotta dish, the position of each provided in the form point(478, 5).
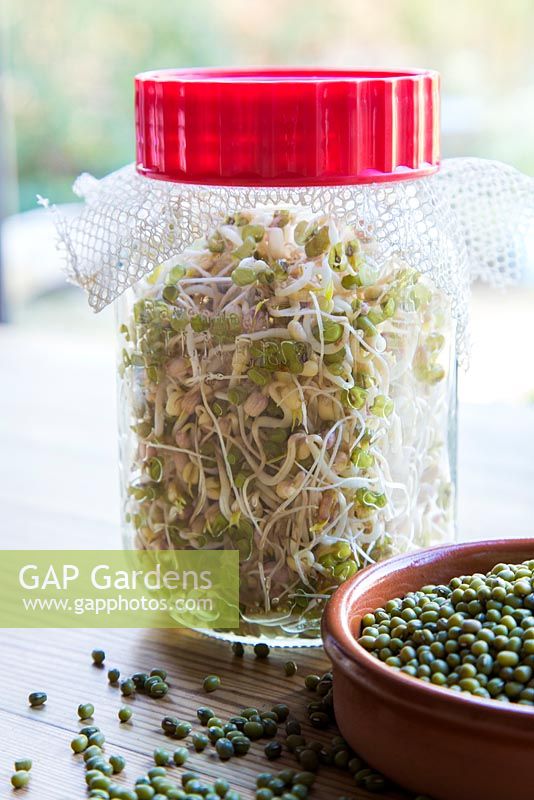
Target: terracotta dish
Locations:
point(426, 738)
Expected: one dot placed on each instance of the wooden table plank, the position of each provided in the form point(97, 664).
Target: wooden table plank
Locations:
point(60, 664)
point(58, 488)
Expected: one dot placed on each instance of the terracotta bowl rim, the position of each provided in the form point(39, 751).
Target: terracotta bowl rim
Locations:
point(342, 646)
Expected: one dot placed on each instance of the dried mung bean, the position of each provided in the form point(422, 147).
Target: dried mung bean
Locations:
point(264, 794)
point(211, 683)
point(129, 794)
point(98, 657)
point(159, 689)
point(180, 756)
point(200, 741)
point(375, 783)
point(221, 787)
point(37, 699)
point(214, 733)
point(79, 744)
point(238, 649)
point(117, 764)
point(97, 739)
point(114, 675)
point(182, 730)
point(293, 727)
point(161, 757)
point(306, 778)
point(144, 792)
point(273, 750)
point(319, 720)
point(99, 781)
point(474, 635)
point(127, 687)
point(281, 711)
point(224, 748)
point(125, 713)
point(139, 679)
point(91, 752)
point(169, 725)
point(86, 710)
point(311, 681)
point(158, 673)
point(23, 764)
point(204, 714)
point(308, 759)
point(261, 650)
point(254, 730)
point(241, 745)
point(20, 779)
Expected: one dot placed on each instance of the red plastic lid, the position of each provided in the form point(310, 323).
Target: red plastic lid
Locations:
point(286, 127)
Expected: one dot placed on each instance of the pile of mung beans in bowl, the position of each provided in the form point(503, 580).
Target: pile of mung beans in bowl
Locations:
point(433, 664)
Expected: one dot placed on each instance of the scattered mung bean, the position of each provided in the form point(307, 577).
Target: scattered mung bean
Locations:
point(86, 710)
point(98, 657)
point(161, 757)
point(261, 650)
point(37, 699)
point(23, 764)
point(79, 744)
point(125, 713)
point(180, 756)
point(117, 763)
point(211, 683)
point(113, 675)
point(20, 779)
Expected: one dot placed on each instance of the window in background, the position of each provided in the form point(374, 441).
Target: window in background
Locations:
point(68, 107)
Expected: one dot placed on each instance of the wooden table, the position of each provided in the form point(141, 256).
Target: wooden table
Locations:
point(58, 488)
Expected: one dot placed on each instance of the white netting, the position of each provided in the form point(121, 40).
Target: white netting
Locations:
point(467, 222)
point(492, 206)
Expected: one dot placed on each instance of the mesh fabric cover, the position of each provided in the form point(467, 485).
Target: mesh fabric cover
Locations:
point(467, 222)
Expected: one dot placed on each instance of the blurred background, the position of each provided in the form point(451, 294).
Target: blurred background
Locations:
point(66, 107)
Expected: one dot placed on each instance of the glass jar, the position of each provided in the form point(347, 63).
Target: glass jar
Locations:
point(288, 371)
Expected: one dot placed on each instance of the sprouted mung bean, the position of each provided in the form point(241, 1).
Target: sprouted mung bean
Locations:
point(475, 635)
point(289, 395)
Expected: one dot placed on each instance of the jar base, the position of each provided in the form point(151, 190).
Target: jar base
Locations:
point(248, 639)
